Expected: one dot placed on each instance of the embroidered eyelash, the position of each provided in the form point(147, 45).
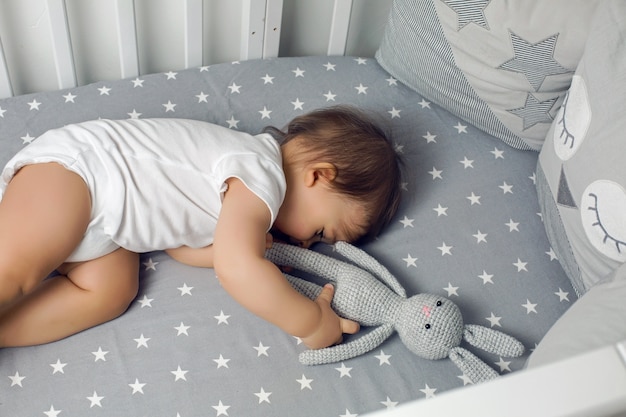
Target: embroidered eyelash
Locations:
point(607, 236)
point(564, 130)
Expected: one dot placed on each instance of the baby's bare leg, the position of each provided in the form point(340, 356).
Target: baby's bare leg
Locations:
point(92, 293)
point(44, 213)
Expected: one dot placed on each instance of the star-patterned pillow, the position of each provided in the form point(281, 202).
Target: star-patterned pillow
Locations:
point(502, 66)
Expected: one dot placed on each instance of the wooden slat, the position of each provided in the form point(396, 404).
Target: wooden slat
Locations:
point(61, 44)
point(252, 29)
point(339, 27)
point(193, 33)
point(127, 38)
point(5, 81)
point(273, 18)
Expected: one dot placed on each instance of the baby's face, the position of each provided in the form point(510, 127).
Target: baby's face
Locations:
point(317, 214)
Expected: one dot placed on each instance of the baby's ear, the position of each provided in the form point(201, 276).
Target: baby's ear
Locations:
point(322, 170)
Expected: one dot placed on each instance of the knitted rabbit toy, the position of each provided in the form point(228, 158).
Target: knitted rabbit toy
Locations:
point(431, 326)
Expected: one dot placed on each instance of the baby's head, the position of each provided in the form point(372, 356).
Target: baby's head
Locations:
point(366, 166)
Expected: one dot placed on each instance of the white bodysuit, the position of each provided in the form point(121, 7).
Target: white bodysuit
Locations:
point(156, 183)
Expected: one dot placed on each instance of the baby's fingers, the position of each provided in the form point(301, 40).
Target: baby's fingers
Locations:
point(349, 326)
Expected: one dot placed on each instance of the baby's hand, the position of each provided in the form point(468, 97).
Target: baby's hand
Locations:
point(331, 327)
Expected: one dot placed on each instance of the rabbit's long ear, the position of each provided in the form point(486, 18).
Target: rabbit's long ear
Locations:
point(305, 260)
point(493, 341)
point(367, 262)
point(348, 350)
point(474, 368)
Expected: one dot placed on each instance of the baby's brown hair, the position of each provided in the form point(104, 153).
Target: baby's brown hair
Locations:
point(368, 168)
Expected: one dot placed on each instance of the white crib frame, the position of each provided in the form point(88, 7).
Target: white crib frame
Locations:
point(559, 389)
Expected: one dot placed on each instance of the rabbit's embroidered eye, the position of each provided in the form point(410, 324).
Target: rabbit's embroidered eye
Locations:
point(439, 303)
point(427, 326)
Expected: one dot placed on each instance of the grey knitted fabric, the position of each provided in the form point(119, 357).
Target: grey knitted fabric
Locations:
point(430, 326)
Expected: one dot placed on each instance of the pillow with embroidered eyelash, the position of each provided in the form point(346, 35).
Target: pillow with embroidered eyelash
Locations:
point(581, 170)
point(502, 66)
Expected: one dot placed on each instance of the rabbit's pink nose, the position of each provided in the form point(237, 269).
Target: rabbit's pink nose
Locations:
point(426, 310)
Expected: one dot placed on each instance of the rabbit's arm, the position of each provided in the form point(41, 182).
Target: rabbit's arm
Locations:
point(348, 350)
point(493, 341)
point(471, 366)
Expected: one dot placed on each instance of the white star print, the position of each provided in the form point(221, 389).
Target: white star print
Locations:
point(521, 266)
point(185, 290)
point(100, 355)
point(445, 249)
point(388, 403)
point(551, 254)
point(391, 81)
point(137, 82)
point(265, 113)
point(221, 409)
point(383, 358)
point(16, 379)
point(171, 75)
point(361, 89)
point(504, 365)
point(344, 371)
point(330, 96)
point(480, 237)
point(394, 113)
point(348, 414)
point(205, 68)
point(95, 400)
point(27, 139)
point(221, 362)
point(222, 318)
point(329, 66)
point(232, 123)
point(145, 301)
point(234, 88)
point(261, 350)
point(406, 222)
point(486, 277)
point(142, 341)
point(441, 211)
point(134, 114)
point(104, 91)
point(494, 320)
point(182, 329)
point(304, 383)
point(150, 264)
point(179, 374)
point(169, 106)
point(2, 111)
point(424, 104)
point(530, 307)
point(428, 391)
point(473, 198)
point(202, 98)
point(461, 128)
point(498, 153)
point(34, 105)
point(466, 380)
point(361, 61)
point(467, 163)
point(430, 138)
point(436, 173)
point(264, 397)
point(58, 367)
point(298, 72)
point(137, 386)
point(267, 79)
point(410, 261)
point(451, 290)
point(506, 188)
point(52, 412)
point(69, 98)
point(512, 225)
point(563, 296)
point(297, 105)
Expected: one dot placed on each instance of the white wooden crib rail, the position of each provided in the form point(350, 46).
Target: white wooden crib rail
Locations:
point(44, 43)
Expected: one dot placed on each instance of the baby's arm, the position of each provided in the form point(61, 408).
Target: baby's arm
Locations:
point(257, 284)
